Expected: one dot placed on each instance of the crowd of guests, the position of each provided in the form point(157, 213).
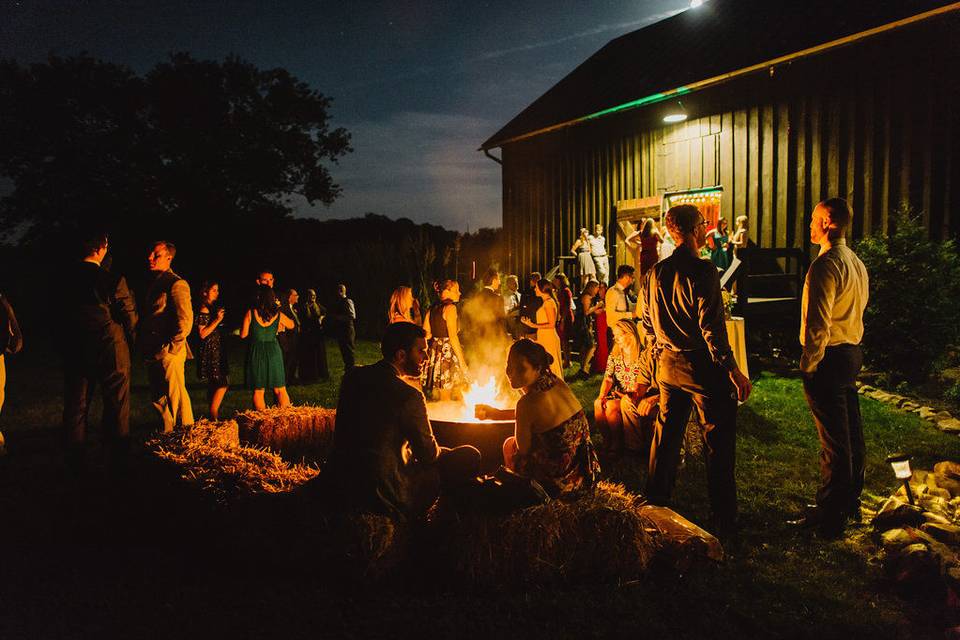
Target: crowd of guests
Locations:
point(662, 354)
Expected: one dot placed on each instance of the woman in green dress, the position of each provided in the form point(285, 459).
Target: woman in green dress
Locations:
point(718, 240)
point(264, 365)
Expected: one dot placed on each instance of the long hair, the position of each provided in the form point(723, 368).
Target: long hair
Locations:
point(630, 334)
point(591, 284)
point(266, 304)
point(547, 287)
point(396, 300)
point(647, 228)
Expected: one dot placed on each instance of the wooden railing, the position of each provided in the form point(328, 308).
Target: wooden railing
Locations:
point(769, 281)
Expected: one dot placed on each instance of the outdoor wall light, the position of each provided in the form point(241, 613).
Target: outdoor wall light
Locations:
point(676, 114)
point(901, 469)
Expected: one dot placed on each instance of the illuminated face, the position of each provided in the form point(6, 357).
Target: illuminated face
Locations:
point(213, 293)
point(342, 291)
point(819, 224)
point(598, 230)
point(415, 358)
point(294, 297)
point(312, 296)
point(700, 233)
point(520, 372)
point(453, 293)
point(266, 279)
point(159, 259)
point(496, 283)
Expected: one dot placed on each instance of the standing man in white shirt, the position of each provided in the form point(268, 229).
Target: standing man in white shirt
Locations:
point(831, 326)
point(598, 251)
point(616, 303)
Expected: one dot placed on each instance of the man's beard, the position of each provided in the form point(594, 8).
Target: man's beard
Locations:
point(411, 368)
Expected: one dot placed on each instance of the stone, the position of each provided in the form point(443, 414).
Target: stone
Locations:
point(899, 400)
point(882, 396)
point(895, 539)
point(940, 493)
point(943, 415)
point(945, 533)
point(920, 475)
point(896, 513)
point(951, 425)
point(912, 407)
point(933, 518)
point(865, 389)
point(927, 413)
point(935, 504)
point(948, 469)
point(915, 564)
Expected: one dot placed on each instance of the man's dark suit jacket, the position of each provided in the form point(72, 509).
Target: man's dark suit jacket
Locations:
point(376, 415)
point(529, 303)
point(100, 314)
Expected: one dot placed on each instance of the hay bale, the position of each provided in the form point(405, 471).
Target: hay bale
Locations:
point(210, 456)
point(607, 535)
point(300, 432)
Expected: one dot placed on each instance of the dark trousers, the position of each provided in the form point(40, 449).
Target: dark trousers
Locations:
point(453, 468)
point(833, 400)
point(313, 356)
point(347, 343)
point(290, 348)
point(686, 379)
point(105, 363)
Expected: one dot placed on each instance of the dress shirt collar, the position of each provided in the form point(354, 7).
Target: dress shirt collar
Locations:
point(830, 244)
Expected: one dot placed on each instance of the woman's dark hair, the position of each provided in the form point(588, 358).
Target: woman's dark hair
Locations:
point(647, 228)
point(533, 353)
point(442, 285)
point(547, 287)
point(266, 303)
point(206, 286)
point(586, 288)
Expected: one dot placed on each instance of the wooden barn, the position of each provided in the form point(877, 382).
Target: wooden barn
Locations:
point(786, 103)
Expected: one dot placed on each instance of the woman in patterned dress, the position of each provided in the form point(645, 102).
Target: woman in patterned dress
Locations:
point(551, 443)
point(619, 381)
point(264, 366)
point(212, 354)
point(446, 369)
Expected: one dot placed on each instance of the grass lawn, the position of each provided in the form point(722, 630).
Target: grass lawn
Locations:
point(777, 584)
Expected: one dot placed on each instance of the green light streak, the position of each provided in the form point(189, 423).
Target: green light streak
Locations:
point(633, 104)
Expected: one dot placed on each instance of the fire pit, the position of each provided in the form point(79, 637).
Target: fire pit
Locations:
point(454, 424)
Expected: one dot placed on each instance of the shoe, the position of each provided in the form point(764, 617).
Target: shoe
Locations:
point(815, 518)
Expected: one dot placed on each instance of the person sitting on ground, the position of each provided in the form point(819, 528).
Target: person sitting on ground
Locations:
point(551, 443)
point(615, 409)
point(385, 458)
point(264, 366)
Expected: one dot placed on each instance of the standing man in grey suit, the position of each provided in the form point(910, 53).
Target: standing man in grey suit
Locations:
point(100, 321)
point(167, 321)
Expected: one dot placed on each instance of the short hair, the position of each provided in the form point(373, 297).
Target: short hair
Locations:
point(683, 218)
point(263, 271)
point(625, 270)
point(512, 279)
point(342, 287)
point(535, 275)
point(489, 276)
point(400, 336)
point(169, 246)
point(92, 242)
point(532, 352)
point(840, 215)
point(741, 219)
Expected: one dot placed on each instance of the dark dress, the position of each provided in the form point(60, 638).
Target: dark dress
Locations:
point(648, 252)
point(444, 369)
point(264, 368)
point(211, 357)
point(584, 329)
point(562, 459)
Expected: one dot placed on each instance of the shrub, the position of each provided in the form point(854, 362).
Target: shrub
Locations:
point(913, 316)
point(953, 393)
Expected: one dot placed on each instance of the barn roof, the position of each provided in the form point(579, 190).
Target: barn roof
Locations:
point(717, 38)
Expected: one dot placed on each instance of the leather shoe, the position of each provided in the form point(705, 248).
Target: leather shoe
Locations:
point(814, 517)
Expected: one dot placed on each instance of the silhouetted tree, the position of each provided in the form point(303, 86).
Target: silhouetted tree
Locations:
point(198, 141)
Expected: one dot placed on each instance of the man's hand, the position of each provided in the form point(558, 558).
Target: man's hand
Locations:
point(742, 383)
point(647, 405)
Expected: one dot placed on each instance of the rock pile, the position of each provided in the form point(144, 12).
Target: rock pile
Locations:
point(921, 542)
point(941, 419)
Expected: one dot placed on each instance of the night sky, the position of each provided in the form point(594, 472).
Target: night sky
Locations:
point(419, 84)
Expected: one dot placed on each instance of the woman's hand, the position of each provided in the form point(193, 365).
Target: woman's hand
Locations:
point(529, 323)
point(482, 411)
point(220, 314)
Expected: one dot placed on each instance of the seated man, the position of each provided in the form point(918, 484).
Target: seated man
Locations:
point(384, 457)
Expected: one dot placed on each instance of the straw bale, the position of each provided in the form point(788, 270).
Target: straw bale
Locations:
point(296, 431)
point(210, 456)
point(606, 535)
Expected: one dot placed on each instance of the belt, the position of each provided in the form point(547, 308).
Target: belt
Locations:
point(601, 256)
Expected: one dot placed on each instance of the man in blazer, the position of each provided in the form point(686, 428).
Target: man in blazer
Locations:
point(99, 324)
point(167, 321)
point(385, 458)
point(289, 339)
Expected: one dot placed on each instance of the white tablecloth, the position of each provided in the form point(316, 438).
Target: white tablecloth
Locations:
point(737, 335)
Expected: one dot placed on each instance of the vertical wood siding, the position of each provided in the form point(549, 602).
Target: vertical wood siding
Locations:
point(882, 142)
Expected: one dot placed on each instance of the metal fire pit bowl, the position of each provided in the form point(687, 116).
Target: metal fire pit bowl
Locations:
point(485, 435)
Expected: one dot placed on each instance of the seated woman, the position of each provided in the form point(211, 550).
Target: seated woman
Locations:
point(552, 438)
point(628, 379)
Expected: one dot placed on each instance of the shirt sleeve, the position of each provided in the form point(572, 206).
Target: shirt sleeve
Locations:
point(180, 293)
point(351, 310)
point(820, 291)
point(417, 429)
point(713, 323)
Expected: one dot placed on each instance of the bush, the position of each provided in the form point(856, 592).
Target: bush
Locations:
point(914, 312)
point(953, 393)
